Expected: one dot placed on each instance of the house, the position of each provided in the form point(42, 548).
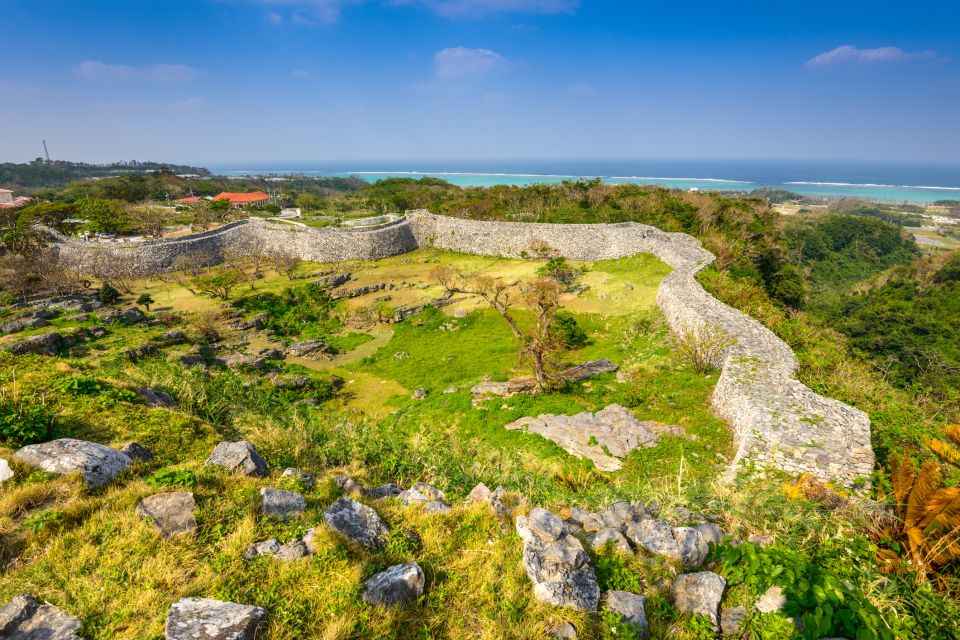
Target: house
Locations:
point(254, 198)
point(189, 200)
point(7, 201)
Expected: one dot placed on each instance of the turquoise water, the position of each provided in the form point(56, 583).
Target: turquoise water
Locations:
point(916, 184)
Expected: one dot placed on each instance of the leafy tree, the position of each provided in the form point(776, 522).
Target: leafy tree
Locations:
point(145, 300)
point(108, 216)
point(220, 282)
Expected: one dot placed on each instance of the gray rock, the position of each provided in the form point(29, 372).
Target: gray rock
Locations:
point(263, 548)
point(556, 562)
point(604, 437)
point(586, 520)
point(358, 522)
point(171, 513)
point(419, 394)
point(138, 353)
point(730, 621)
point(681, 544)
point(293, 550)
point(22, 324)
point(699, 593)
point(451, 390)
point(760, 539)
point(589, 369)
point(98, 464)
point(304, 478)
point(562, 631)
point(239, 457)
point(349, 486)
point(281, 504)
point(5, 471)
point(772, 600)
point(399, 584)
point(630, 608)
point(24, 618)
point(136, 452)
point(174, 337)
point(310, 348)
point(436, 506)
point(132, 315)
point(610, 536)
point(388, 490)
point(156, 398)
point(47, 344)
point(206, 619)
point(710, 532)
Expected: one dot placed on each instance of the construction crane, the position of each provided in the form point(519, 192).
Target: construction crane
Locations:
point(45, 152)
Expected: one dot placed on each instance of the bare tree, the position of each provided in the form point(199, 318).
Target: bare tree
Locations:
point(284, 261)
point(151, 218)
point(541, 296)
point(188, 267)
point(702, 345)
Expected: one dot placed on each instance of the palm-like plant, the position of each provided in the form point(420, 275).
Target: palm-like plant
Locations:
point(928, 513)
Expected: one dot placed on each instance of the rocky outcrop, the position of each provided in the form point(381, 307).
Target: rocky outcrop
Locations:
point(681, 544)
point(310, 348)
point(206, 619)
point(432, 499)
point(357, 522)
point(21, 324)
point(137, 452)
point(46, 344)
point(24, 618)
point(98, 464)
point(172, 514)
point(604, 437)
point(156, 398)
point(556, 562)
point(239, 457)
point(397, 585)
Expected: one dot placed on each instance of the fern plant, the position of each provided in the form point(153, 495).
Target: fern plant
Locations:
point(928, 513)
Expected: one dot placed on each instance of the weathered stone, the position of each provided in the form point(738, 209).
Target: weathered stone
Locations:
point(356, 521)
point(5, 471)
point(699, 593)
point(206, 619)
point(604, 437)
point(143, 351)
point(436, 506)
point(388, 490)
point(681, 544)
point(47, 344)
point(304, 478)
point(730, 621)
point(480, 493)
point(419, 394)
point(710, 532)
point(310, 348)
point(772, 600)
point(156, 398)
point(174, 337)
point(760, 539)
point(349, 486)
point(630, 608)
point(556, 562)
point(282, 504)
point(263, 548)
point(98, 464)
point(399, 584)
point(610, 536)
point(562, 631)
point(293, 550)
point(586, 520)
point(239, 457)
point(22, 324)
point(137, 452)
point(24, 618)
point(171, 513)
point(589, 369)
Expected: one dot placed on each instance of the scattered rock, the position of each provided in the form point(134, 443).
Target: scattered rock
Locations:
point(681, 544)
point(585, 520)
point(143, 351)
point(206, 619)
point(349, 486)
point(281, 504)
point(156, 398)
point(239, 457)
point(419, 394)
point(22, 324)
point(506, 389)
point(245, 362)
point(137, 452)
point(172, 513)
point(710, 532)
point(630, 608)
point(399, 584)
point(760, 539)
point(556, 562)
point(46, 344)
point(730, 621)
point(310, 348)
point(263, 548)
point(604, 437)
point(24, 618)
point(304, 478)
point(334, 280)
point(451, 390)
point(174, 337)
point(98, 332)
point(356, 521)
point(293, 550)
point(132, 315)
point(772, 600)
point(699, 593)
point(5, 471)
point(480, 493)
point(98, 464)
point(562, 631)
point(601, 538)
point(433, 499)
point(589, 369)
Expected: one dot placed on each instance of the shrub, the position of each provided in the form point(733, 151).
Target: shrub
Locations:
point(23, 422)
point(703, 346)
point(173, 478)
point(108, 294)
point(567, 331)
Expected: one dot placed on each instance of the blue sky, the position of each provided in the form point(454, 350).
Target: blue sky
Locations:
point(323, 80)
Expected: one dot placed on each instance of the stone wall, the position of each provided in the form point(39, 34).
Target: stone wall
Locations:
point(777, 421)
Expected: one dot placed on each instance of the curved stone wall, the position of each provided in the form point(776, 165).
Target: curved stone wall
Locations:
point(777, 421)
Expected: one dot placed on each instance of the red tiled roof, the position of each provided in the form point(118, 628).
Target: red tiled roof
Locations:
point(17, 202)
point(189, 199)
point(243, 198)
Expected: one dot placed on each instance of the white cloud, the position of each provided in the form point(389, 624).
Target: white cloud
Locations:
point(308, 12)
point(96, 70)
point(274, 18)
point(456, 63)
point(300, 73)
point(481, 8)
point(852, 53)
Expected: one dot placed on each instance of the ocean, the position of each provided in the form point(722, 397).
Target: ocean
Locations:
point(914, 183)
